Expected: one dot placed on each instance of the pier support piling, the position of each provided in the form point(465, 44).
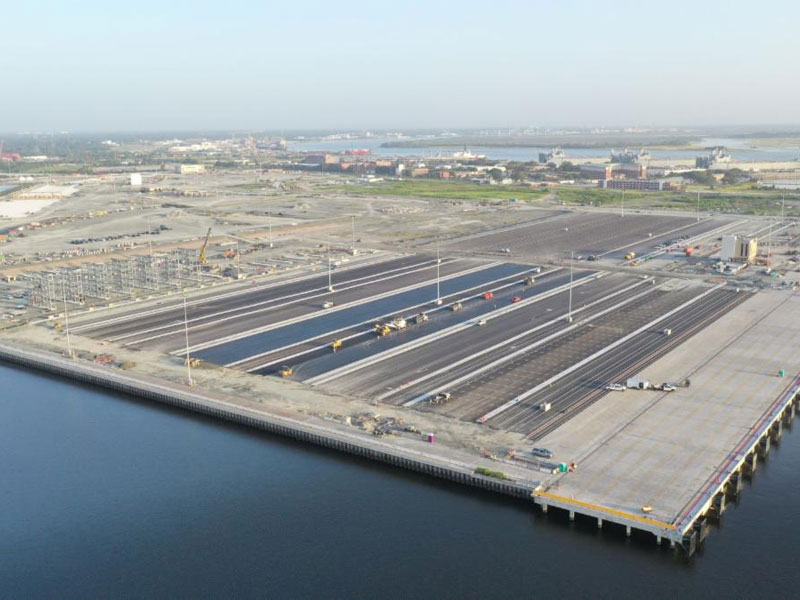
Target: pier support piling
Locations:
point(749, 465)
point(599, 523)
point(735, 484)
point(776, 431)
point(702, 528)
point(763, 446)
point(718, 506)
point(788, 415)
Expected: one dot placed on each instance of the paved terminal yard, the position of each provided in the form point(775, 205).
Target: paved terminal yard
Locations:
point(526, 351)
point(666, 451)
point(600, 234)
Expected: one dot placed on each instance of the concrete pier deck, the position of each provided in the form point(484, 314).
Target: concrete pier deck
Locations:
point(673, 451)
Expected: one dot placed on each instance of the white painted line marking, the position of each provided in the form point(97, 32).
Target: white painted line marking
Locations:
point(528, 348)
point(504, 407)
point(306, 317)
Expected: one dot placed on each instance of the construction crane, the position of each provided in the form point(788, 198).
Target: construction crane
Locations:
point(202, 256)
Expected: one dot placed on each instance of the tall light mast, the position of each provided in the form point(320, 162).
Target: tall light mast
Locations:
point(569, 310)
point(66, 318)
point(330, 267)
point(438, 262)
point(186, 334)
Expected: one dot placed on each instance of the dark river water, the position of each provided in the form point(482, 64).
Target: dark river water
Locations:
point(107, 497)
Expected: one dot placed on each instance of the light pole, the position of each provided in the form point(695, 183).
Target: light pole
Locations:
point(330, 281)
point(569, 310)
point(186, 334)
point(438, 262)
point(66, 318)
point(353, 223)
point(238, 264)
point(698, 205)
point(769, 245)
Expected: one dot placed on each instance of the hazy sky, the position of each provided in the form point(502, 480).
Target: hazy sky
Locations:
point(147, 65)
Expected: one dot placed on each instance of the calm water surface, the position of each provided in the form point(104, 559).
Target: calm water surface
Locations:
point(739, 150)
point(107, 497)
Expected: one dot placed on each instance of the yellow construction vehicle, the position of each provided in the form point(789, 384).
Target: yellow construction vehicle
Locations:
point(286, 371)
point(193, 362)
point(382, 330)
point(58, 325)
point(630, 256)
point(202, 256)
point(336, 344)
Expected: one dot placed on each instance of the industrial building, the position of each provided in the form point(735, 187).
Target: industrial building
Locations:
point(635, 184)
point(192, 169)
point(595, 171)
point(630, 170)
point(738, 249)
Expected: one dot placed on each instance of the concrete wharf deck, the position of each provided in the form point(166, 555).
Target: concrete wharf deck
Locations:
point(680, 452)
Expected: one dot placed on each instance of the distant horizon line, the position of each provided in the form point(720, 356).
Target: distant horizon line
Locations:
point(749, 128)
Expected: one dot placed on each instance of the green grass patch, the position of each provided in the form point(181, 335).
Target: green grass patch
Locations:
point(443, 189)
point(489, 473)
point(737, 200)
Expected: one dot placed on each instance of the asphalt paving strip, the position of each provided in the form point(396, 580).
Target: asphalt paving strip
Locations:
point(225, 351)
point(455, 363)
point(476, 371)
point(273, 305)
point(441, 319)
point(407, 262)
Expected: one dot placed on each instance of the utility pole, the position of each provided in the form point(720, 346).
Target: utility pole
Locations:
point(238, 264)
point(330, 267)
point(438, 262)
point(569, 311)
point(698, 205)
point(353, 222)
point(769, 245)
point(66, 318)
point(186, 334)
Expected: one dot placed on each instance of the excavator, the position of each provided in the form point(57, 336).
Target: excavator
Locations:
point(202, 256)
